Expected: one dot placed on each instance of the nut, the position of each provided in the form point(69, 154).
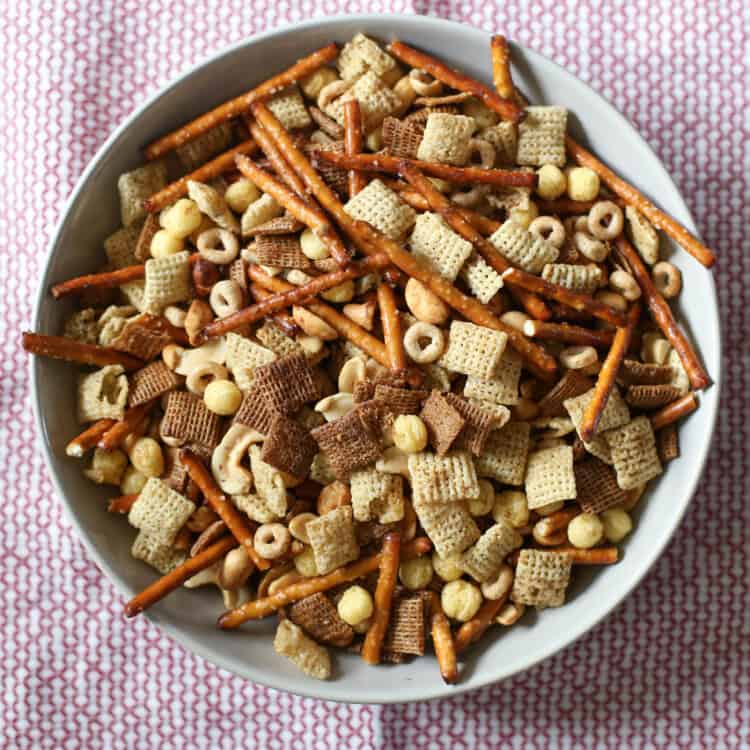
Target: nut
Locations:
point(470, 198)
point(202, 375)
point(235, 569)
point(218, 246)
point(524, 410)
point(340, 293)
point(175, 316)
point(312, 325)
point(424, 84)
point(201, 519)
point(297, 526)
point(205, 275)
point(171, 355)
point(510, 613)
point(578, 357)
point(515, 319)
point(614, 299)
point(363, 314)
point(226, 461)
point(500, 586)
point(290, 577)
point(622, 282)
point(351, 373)
point(199, 315)
point(226, 298)
point(336, 406)
point(332, 496)
point(667, 279)
point(272, 540)
point(654, 348)
point(423, 304)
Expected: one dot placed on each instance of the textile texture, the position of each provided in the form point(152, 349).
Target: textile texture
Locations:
point(669, 668)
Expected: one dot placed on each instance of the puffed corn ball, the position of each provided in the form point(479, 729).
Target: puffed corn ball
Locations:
point(617, 524)
point(341, 293)
point(313, 84)
point(585, 531)
point(524, 217)
point(447, 568)
point(305, 565)
point(461, 600)
point(415, 574)
point(164, 243)
point(583, 184)
point(409, 433)
point(312, 246)
point(241, 194)
point(511, 506)
point(147, 457)
point(182, 219)
point(107, 467)
point(222, 397)
point(355, 606)
point(551, 182)
point(132, 481)
point(482, 505)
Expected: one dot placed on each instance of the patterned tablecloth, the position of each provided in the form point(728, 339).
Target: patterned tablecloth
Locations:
point(670, 668)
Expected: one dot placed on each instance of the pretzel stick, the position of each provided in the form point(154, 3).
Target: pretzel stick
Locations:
point(593, 556)
point(122, 504)
point(175, 578)
point(463, 175)
point(558, 520)
point(293, 297)
point(205, 173)
point(674, 411)
point(567, 333)
point(283, 321)
point(391, 322)
point(473, 630)
point(114, 436)
point(309, 214)
point(276, 160)
point(442, 640)
point(576, 300)
point(662, 315)
point(240, 529)
point(353, 143)
point(635, 198)
point(506, 108)
point(501, 76)
point(563, 312)
point(563, 206)
point(88, 439)
point(240, 104)
point(255, 610)
point(389, 562)
point(439, 203)
point(369, 240)
point(70, 350)
point(605, 382)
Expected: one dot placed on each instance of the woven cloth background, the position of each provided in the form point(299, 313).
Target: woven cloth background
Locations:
point(670, 668)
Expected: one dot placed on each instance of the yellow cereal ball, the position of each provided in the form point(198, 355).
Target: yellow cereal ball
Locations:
point(240, 195)
point(551, 183)
point(511, 506)
point(409, 433)
point(447, 567)
point(146, 455)
point(182, 219)
point(461, 600)
point(484, 116)
point(585, 531)
point(132, 481)
point(341, 293)
point(583, 184)
point(617, 524)
point(311, 85)
point(107, 467)
point(415, 574)
point(222, 397)
point(355, 606)
point(305, 565)
point(312, 246)
point(163, 244)
point(483, 504)
point(524, 218)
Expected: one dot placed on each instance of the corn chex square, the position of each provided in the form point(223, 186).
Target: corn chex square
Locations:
point(134, 187)
point(308, 656)
point(541, 578)
point(578, 278)
point(167, 281)
point(376, 101)
point(160, 512)
point(362, 54)
point(550, 476)
point(289, 109)
point(439, 246)
point(244, 357)
point(120, 246)
point(614, 414)
point(377, 496)
point(259, 212)
point(269, 482)
point(505, 453)
point(447, 139)
point(523, 249)
point(275, 340)
point(163, 557)
point(634, 453)
point(211, 203)
point(484, 560)
point(442, 479)
point(256, 508)
point(203, 148)
point(541, 136)
point(482, 279)
point(380, 206)
point(504, 138)
point(502, 387)
point(82, 325)
point(473, 350)
point(509, 198)
point(102, 394)
point(449, 526)
point(333, 540)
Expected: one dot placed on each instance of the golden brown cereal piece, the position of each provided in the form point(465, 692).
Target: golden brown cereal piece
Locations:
point(380, 206)
point(444, 250)
point(473, 350)
point(633, 372)
point(442, 479)
point(283, 251)
point(634, 453)
point(160, 512)
point(449, 526)
point(333, 540)
point(211, 203)
point(120, 247)
point(572, 384)
point(150, 382)
point(311, 658)
point(444, 422)
point(479, 422)
point(577, 278)
point(523, 249)
point(401, 138)
point(163, 557)
point(406, 630)
point(486, 557)
point(286, 224)
point(187, 420)
point(102, 394)
point(136, 186)
point(289, 109)
point(502, 386)
point(167, 281)
point(143, 337)
point(447, 139)
point(205, 147)
point(375, 495)
point(316, 615)
point(596, 486)
point(651, 396)
point(550, 477)
point(505, 454)
point(399, 400)
point(541, 136)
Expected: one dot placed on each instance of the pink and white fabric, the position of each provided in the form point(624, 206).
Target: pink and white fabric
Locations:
point(670, 668)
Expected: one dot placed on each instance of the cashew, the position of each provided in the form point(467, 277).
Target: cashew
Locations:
point(424, 84)
point(424, 304)
point(654, 348)
point(500, 585)
point(485, 150)
point(171, 354)
point(312, 346)
point(336, 406)
point(470, 198)
point(510, 613)
point(205, 577)
point(226, 461)
point(351, 373)
point(198, 316)
point(312, 325)
point(297, 526)
point(578, 357)
point(235, 569)
point(213, 351)
point(175, 315)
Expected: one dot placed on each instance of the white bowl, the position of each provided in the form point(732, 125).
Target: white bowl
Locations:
point(189, 615)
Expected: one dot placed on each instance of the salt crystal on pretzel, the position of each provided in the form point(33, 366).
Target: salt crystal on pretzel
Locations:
point(256, 508)
point(136, 186)
point(102, 394)
point(541, 578)
point(360, 55)
point(651, 396)
point(634, 453)
point(505, 454)
point(443, 421)
point(316, 615)
point(549, 476)
point(381, 207)
point(449, 526)
point(614, 414)
point(205, 147)
point(211, 203)
point(502, 386)
point(269, 482)
point(483, 281)
point(523, 249)
point(597, 487)
point(541, 136)
point(444, 250)
point(286, 384)
point(486, 557)
point(479, 422)
point(282, 251)
point(377, 496)
point(120, 247)
point(167, 281)
point(473, 350)
point(442, 479)
point(406, 629)
point(310, 657)
point(332, 539)
point(375, 98)
point(577, 278)
point(401, 138)
point(188, 420)
point(288, 447)
point(504, 137)
point(244, 357)
point(163, 557)
point(447, 139)
point(81, 325)
point(289, 109)
point(160, 512)
point(143, 336)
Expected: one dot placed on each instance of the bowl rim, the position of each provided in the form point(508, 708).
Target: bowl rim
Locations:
point(438, 690)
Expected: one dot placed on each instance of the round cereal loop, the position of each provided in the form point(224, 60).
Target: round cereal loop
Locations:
point(219, 246)
point(605, 220)
point(203, 374)
point(622, 282)
point(549, 228)
point(590, 247)
point(424, 84)
point(272, 540)
point(424, 343)
point(667, 279)
point(226, 298)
